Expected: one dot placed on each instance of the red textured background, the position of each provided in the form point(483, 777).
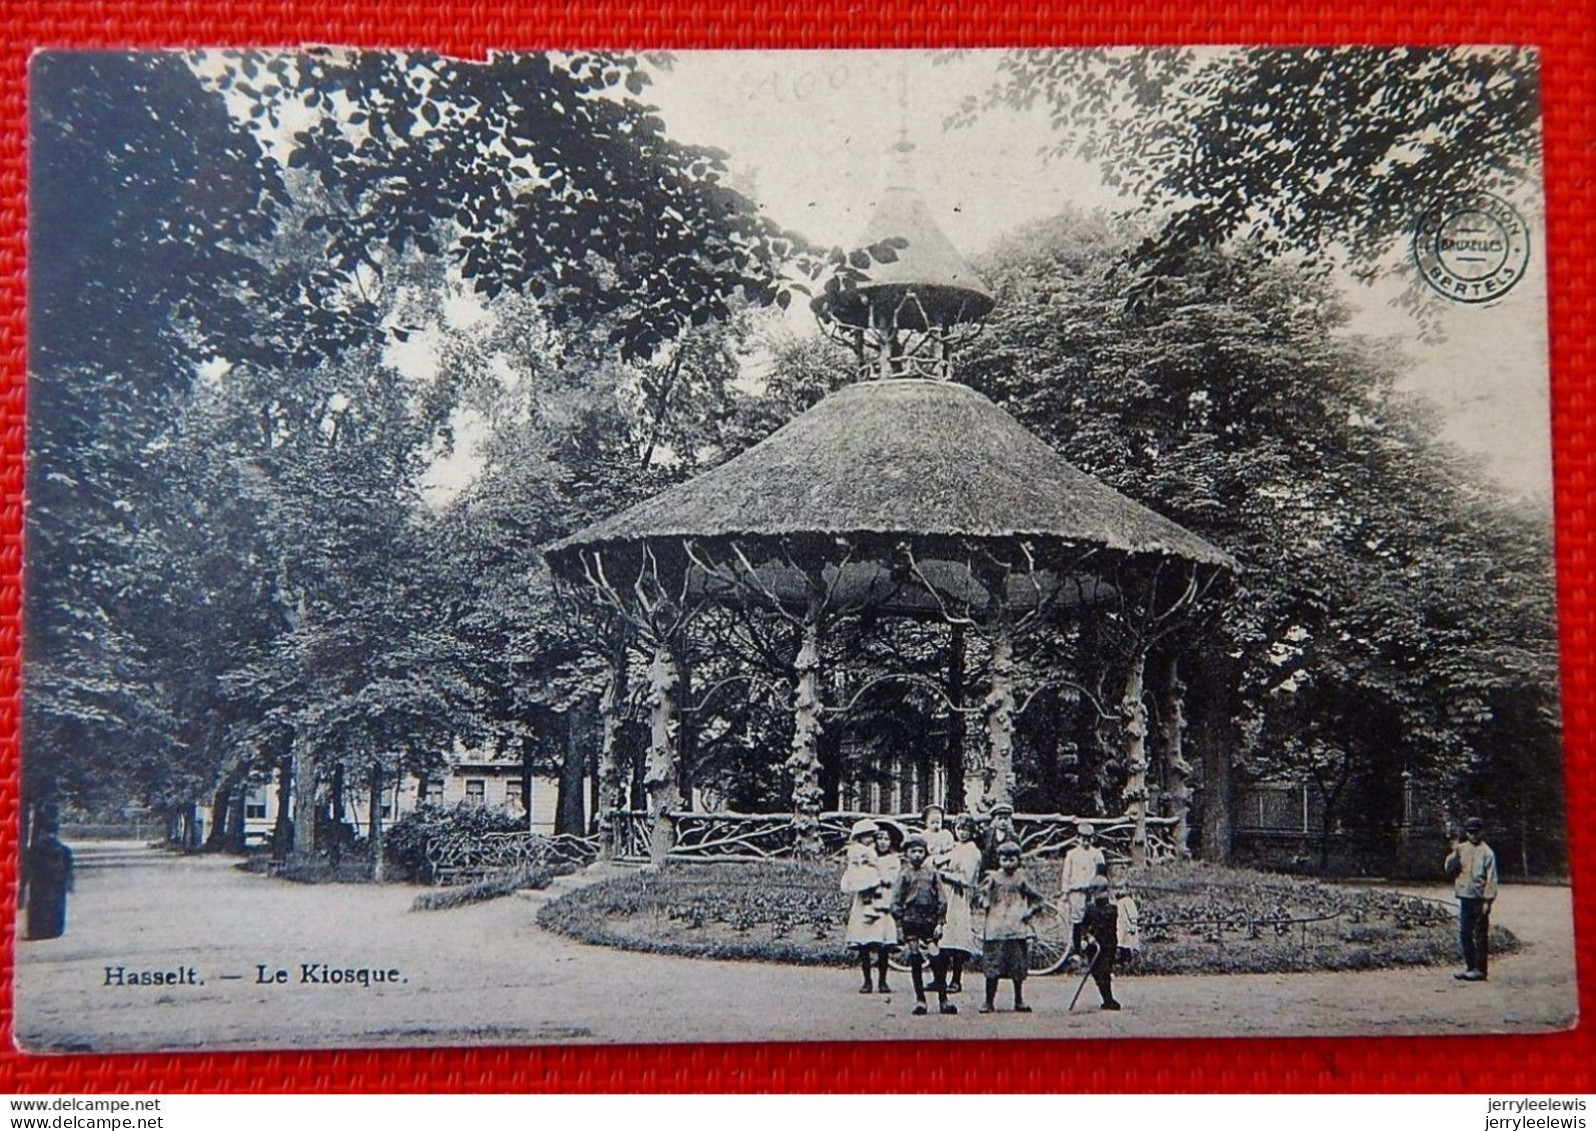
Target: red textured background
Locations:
point(1561, 1062)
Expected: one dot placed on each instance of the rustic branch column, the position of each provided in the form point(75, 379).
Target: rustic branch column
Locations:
point(804, 764)
point(609, 768)
point(999, 770)
point(1133, 714)
point(1177, 770)
point(661, 770)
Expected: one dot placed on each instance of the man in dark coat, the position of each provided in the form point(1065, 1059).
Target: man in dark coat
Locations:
point(47, 870)
point(999, 832)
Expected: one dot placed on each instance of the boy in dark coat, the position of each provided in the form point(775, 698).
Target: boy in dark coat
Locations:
point(920, 907)
point(1100, 926)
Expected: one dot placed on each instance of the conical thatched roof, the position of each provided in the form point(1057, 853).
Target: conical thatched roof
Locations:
point(905, 458)
point(927, 264)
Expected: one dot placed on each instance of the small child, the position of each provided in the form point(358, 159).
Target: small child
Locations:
point(920, 907)
point(938, 837)
point(1010, 901)
point(1130, 925)
point(1100, 926)
point(870, 930)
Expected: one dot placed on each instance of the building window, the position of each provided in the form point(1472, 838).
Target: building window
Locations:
point(515, 794)
point(387, 812)
point(432, 792)
point(476, 791)
point(255, 805)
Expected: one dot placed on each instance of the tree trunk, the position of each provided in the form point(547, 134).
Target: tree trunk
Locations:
point(955, 801)
point(1177, 771)
point(304, 830)
point(1133, 712)
point(239, 840)
point(636, 788)
point(339, 811)
point(830, 748)
point(610, 783)
point(374, 824)
point(660, 772)
point(526, 778)
point(569, 815)
point(687, 738)
point(804, 763)
point(1216, 739)
point(221, 814)
point(283, 829)
point(1332, 809)
point(999, 769)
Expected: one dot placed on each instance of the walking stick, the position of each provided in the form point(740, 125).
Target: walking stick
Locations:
point(1097, 952)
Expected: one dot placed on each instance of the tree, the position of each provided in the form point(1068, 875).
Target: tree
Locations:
point(553, 179)
point(142, 198)
point(1327, 152)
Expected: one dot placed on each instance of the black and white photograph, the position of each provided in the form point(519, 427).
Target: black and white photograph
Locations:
point(726, 546)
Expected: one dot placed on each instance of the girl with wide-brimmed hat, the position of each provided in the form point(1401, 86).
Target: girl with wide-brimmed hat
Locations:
point(867, 875)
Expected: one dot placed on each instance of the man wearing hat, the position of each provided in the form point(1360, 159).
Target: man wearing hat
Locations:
point(1472, 866)
point(999, 831)
point(1083, 864)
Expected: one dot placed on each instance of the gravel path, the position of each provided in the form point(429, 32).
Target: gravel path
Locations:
point(486, 974)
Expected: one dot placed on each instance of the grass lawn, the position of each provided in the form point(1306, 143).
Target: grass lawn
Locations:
point(1196, 918)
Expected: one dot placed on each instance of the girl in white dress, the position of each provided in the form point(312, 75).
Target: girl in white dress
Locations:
point(867, 876)
point(960, 872)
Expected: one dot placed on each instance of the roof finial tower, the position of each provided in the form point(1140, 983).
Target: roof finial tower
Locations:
point(903, 307)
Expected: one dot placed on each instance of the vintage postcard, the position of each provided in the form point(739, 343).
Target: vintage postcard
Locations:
point(741, 546)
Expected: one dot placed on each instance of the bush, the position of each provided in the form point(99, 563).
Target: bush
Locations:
point(521, 879)
point(318, 870)
point(405, 842)
point(1195, 918)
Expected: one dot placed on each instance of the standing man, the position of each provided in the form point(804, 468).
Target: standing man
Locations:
point(1000, 832)
point(47, 872)
point(1472, 866)
point(1083, 864)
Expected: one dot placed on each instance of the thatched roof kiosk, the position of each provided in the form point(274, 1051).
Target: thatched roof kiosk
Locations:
point(904, 492)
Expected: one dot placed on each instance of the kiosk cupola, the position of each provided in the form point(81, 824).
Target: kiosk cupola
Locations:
point(916, 302)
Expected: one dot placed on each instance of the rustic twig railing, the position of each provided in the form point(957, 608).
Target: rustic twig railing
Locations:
point(726, 836)
point(462, 858)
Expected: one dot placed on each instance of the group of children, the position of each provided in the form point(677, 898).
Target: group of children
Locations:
point(925, 902)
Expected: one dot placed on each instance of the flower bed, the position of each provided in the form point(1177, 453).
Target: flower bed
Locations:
point(1196, 918)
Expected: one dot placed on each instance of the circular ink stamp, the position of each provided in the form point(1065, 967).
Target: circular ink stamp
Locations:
point(1471, 246)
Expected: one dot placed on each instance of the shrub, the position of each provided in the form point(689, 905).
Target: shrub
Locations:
point(528, 879)
point(405, 842)
point(317, 870)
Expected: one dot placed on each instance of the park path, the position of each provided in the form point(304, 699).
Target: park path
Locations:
point(486, 974)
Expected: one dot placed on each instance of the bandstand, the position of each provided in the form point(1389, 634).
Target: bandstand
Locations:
point(904, 494)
